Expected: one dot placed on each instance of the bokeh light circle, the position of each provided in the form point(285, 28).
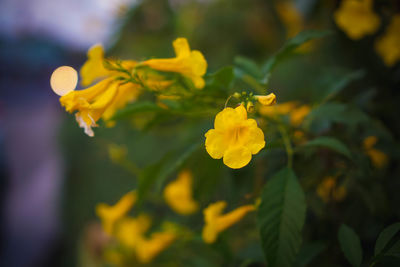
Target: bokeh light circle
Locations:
point(64, 80)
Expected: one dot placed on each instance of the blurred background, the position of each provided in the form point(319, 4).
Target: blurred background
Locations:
point(52, 175)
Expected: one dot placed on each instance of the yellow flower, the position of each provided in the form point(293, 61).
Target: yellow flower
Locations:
point(328, 190)
point(280, 109)
point(131, 233)
point(216, 222)
point(150, 248)
point(290, 17)
point(190, 63)
point(296, 112)
point(297, 115)
point(357, 18)
point(178, 194)
point(266, 100)
point(388, 45)
point(109, 215)
point(102, 99)
point(235, 138)
point(93, 69)
point(377, 157)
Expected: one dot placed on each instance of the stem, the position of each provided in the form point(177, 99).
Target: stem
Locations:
point(130, 167)
point(287, 143)
point(226, 102)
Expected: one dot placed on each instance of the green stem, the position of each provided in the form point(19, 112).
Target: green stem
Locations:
point(287, 143)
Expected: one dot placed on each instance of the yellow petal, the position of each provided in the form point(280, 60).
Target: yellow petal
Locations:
point(237, 157)
point(357, 18)
point(227, 220)
point(267, 100)
point(297, 115)
point(126, 93)
point(230, 117)
point(255, 137)
point(93, 68)
point(216, 143)
point(215, 222)
point(388, 45)
point(178, 194)
point(191, 64)
point(378, 158)
point(369, 142)
point(109, 215)
point(181, 47)
point(150, 248)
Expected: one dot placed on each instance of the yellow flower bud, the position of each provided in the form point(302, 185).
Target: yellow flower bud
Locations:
point(266, 100)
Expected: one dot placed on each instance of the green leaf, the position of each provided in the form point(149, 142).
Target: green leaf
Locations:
point(328, 142)
point(323, 115)
point(385, 236)
point(136, 107)
point(350, 245)
point(221, 78)
point(394, 250)
point(289, 47)
point(247, 66)
point(281, 218)
point(157, 173)
point(335, 83)
point(308, 253)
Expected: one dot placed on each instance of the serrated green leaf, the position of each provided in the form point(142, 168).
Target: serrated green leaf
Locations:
point(385, 236)
point(136, 107)
point(289, 47)
point(328, 142)
point(350, 245)
point(281, 218)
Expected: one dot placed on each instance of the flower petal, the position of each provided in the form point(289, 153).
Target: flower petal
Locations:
point(237, 157)
point(181, 47)
point(216, 143)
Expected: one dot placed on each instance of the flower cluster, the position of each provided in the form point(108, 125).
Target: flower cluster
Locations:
point(117, 83)
point(358, 19)
point(132, 233)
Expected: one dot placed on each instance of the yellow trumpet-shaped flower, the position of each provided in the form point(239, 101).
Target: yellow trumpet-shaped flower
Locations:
point(266, 100)
point(377, 157)
point(109, 215)
point(388, 45)
point(328, 190)
point(291, 17)
point(131, 233)
point(298, 115)
point(104, 98)
point(99, 101)
point(150, 248)
point(296, 111)
point(190, 63)
point(93, 69)
point(216, 222)
point(235, 138)
point(357, 18)
point(178, 194)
